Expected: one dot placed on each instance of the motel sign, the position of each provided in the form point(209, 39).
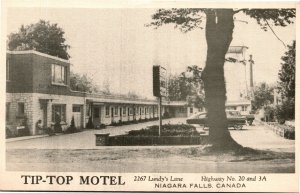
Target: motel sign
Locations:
point(159, 81)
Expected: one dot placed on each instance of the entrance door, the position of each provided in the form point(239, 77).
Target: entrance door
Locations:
point(96, 116)
point(77, 114)
point(44, 115)
point(112, 115)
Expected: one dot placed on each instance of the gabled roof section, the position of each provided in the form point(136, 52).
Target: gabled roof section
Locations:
point(38, 53)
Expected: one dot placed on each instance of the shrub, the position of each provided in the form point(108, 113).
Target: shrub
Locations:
point(8, 133)
point(285, 111)
point(102, 126)
point(119, 122)
point(289, 134)
point(269, 113)
point(90, 124)
point(72, 128)
point(113, 123)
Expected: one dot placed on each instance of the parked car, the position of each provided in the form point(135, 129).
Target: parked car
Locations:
point(234, 118)
point(250, 118)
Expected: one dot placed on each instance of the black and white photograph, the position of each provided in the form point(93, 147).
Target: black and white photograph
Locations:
point(149, 96)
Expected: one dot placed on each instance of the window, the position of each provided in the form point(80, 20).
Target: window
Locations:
point(182, 110)
point(124, 111)
point(107, 111)
point(58, 74)
point(58, 113)
point(191, 109)
point(76, 109)
point(7, 69)
point(7, 112)
point(21, 109)
point(244, 108)
point(146, 110)
point(231, 108)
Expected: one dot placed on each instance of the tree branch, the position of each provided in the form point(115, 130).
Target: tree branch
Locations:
point(274, 32)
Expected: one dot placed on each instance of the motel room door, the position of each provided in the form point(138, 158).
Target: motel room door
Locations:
point(45, 114)
point(96, 115)
point(78, 116)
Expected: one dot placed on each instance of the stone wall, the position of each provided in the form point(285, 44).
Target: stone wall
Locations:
point(15, 120)
point(33, 110)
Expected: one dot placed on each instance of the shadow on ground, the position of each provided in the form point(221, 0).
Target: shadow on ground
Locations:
point(149, 159)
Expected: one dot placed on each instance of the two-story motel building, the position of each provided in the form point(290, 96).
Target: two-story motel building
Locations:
point(37, 88)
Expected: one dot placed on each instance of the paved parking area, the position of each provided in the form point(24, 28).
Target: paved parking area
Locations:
point(256, 136)
point(81, 140)
point(77, 152)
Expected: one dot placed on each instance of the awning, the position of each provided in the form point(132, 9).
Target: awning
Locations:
point(97, 103)
point(119, 101)
point(47, 98)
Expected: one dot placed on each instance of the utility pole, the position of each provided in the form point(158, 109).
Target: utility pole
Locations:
point(251, 62)
point(160, 116)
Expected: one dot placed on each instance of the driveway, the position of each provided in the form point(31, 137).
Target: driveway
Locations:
point(81, 140)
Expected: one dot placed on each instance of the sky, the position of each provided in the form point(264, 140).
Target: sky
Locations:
point(114, 46)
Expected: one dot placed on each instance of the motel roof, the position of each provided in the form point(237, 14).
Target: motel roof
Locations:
point(37, 53)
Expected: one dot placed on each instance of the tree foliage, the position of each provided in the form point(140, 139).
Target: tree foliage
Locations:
point(82, 83)
point(279, 17)
point(132, 95)
point(43, 37)
point(287, 73)
point(219, 29)
point(187, 19)
point(286, 76)
point(285, 111)
point(187, 86)
point(263, 96)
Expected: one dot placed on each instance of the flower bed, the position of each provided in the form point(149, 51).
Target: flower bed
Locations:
point(170, 135)
point(166, 130)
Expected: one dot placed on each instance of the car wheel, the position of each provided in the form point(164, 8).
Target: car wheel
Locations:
point(238, 127)
point(250, 122)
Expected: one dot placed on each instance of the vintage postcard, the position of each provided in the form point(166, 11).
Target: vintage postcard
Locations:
point(178, 96)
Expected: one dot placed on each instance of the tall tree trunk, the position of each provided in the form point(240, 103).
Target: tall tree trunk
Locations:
point(219, 30)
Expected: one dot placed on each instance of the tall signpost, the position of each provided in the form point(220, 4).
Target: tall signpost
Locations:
point(159, 89)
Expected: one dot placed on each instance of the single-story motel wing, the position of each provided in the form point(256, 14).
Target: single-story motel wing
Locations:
point(37, 88)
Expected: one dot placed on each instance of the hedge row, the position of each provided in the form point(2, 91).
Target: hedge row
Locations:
point(285, 131)
point(123, 140)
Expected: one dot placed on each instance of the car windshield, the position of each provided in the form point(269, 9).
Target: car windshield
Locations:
point(233, 113)
point(198, 115)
